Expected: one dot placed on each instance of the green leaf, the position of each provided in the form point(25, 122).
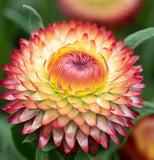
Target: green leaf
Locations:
point(26, 149)
point(30, 138)
point(18, 18)
point(148, 104)
point(83, 156)
point(106, 154)
point(137, 38)
point(41, 155)
point(115, 156)
point(50, 146)
point(35, 18)
point(56, 155)
point(3, 157)
point(6, 142)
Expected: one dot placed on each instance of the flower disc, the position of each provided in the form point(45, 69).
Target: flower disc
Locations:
point(74, 84)
point(73, 70)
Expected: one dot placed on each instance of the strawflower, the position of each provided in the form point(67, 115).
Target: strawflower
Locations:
point(108, 12)
point(74, 84)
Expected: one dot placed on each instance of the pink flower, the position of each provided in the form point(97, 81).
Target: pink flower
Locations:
point(74, 84)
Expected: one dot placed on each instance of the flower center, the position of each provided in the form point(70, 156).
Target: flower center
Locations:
point(80, 61)
point(76, 71)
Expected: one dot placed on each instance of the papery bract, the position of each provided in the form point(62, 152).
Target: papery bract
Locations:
point(74, 84)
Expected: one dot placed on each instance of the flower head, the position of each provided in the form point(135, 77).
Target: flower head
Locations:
point(107, 12)
point(74, 84)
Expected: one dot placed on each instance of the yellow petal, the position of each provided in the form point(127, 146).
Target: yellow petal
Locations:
point(85, 129)
point(62, 103)
point(90, 118)
point(50, 115)
point(72, 114)
point(79, 120)
point(103, 103)
point(75, 101)
point(95, 108)
point(65, 110)
point(89, 99)
point(43, 87)
point(63, 120)
point(84, 108)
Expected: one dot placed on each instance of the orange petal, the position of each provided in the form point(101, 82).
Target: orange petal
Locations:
point(49, 116)
point(89, 99)
point(72, 114)
point(65, 110)
point(62, 103)
point(90, 118)
point(46, 130)
point(62, 121)
point(79, 120)
point(43, 87)
point(85, 129)
point(95, 108)
point(84, 108)
point(75, 102)
point(108, 96)
point(103, 103)
point(119, 90)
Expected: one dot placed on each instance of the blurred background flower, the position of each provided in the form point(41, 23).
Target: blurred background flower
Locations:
point(104, 12)
point(140, 143)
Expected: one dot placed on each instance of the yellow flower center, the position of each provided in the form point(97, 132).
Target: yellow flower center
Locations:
point(75, 70)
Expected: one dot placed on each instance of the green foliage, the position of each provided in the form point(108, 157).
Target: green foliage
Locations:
point(41, 155)
point(50, 146)
point(82, 156)
point(56, 155)
point(137, 38)
point(34, 18)
point(106, 154)
point(149, 109)
point(7, 148)
point(26, 149)
point(18, 18)
point(30, 138)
